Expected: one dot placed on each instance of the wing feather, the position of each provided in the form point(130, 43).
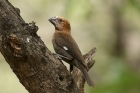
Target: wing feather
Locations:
point(66, 40)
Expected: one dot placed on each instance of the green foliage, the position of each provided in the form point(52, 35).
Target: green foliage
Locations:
point(135, 4)
point(127, 82)
point(80, 9)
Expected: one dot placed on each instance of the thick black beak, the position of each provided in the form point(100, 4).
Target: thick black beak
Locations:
point(53, 20)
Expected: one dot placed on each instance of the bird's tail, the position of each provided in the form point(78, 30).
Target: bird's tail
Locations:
point(85, 73)
point(87, 77)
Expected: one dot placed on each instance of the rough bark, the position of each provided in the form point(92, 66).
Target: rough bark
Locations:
point(37, 69)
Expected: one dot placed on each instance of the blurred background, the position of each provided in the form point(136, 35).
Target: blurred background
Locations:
point(112, 26)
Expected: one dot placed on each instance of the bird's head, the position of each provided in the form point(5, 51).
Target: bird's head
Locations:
point(60, 23)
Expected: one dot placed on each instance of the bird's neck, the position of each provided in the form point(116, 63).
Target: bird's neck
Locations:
point(63, 31)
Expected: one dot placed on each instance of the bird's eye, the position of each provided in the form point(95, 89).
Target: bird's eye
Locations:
point(60, 20)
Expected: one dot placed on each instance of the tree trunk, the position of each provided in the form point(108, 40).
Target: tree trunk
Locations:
point(37, 69)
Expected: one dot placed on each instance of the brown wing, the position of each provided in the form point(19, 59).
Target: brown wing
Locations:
point(66, 40)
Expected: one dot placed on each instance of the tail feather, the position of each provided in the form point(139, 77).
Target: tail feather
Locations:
point(85, 73)
point(87, 77)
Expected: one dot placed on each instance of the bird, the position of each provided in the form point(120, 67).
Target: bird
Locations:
point(66, 47)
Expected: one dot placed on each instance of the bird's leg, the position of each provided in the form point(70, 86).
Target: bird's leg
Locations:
point(62, 57)
point(71, 68)
point(68, 59)
point(59, 57)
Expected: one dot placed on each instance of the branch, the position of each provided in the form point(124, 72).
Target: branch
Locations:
point(37, 69)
